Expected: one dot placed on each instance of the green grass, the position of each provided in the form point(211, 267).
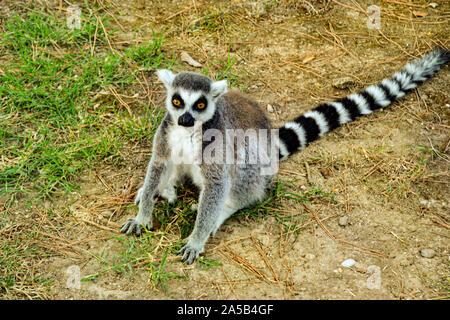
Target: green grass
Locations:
point(50, 129)
point(225, 69)
point(430, 150)
point(148, 55)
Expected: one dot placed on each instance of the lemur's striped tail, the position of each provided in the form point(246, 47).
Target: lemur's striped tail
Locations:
point(297, 134)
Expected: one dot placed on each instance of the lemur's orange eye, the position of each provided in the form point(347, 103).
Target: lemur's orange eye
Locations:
point(176, 102)
point(200, 105)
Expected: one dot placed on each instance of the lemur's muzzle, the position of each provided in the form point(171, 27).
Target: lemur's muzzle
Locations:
point(186, 120)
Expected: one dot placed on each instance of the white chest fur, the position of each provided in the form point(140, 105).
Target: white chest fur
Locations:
point(181, 143)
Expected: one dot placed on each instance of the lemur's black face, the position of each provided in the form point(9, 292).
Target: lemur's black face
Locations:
point(191, 97)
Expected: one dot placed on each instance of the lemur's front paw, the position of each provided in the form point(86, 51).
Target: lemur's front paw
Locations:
point(132, 225)
point(190, 253)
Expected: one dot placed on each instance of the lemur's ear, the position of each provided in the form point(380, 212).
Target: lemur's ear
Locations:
point(166, 76)
point(218, 88)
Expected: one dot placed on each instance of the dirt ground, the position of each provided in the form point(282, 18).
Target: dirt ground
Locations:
point(388, 173)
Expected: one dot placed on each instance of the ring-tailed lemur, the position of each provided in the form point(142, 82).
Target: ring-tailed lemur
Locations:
point(194, 101)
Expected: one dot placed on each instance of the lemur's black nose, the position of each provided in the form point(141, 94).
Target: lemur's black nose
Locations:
point(186, 120)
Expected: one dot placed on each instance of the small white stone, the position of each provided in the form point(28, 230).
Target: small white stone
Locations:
point(343, 221)
point(428, 253)
point(270, 108)
point(348, 263)
point(433, 5)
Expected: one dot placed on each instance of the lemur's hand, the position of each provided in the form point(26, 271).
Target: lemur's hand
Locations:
point(142, 220)
point(132, 225)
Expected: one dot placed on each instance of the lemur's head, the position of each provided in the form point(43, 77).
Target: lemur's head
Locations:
point(191, 96)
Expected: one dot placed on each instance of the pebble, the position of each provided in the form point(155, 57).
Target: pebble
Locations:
point(270, 108)
point(348, 263)
point(428, 253)
point(343, 221)
point(433, 5)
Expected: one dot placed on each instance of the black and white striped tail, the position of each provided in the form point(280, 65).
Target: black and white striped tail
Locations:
point(299, 133)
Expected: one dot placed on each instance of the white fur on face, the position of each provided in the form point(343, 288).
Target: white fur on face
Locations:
point(189, 98)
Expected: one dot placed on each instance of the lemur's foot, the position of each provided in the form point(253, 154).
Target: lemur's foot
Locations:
point(190, 253)
point(133, 226)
